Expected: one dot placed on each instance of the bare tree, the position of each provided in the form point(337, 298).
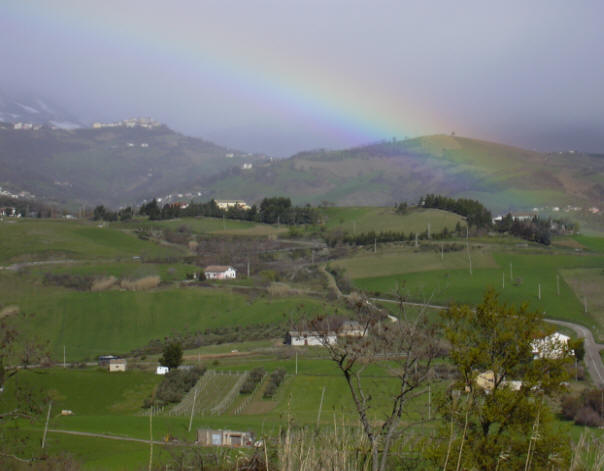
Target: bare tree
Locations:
point(406, 347)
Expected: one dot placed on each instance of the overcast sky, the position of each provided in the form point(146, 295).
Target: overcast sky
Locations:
point(283, 76)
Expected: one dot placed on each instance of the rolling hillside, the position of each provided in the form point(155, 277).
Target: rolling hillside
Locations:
point(113, 166)
point(501, 176)
point(121, 165)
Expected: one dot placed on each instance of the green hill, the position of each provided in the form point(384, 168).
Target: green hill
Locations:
point(503, 177)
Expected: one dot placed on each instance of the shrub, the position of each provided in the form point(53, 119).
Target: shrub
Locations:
point(252, 380)
point(587, 416)
point(148, 282)
point(275, 380)
point(68, 280)
point(102, 284)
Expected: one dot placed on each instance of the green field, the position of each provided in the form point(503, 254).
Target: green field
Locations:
point(96, 323)
point(30, 240)
point(401, 260)
point(365, 219)
point(529, 271)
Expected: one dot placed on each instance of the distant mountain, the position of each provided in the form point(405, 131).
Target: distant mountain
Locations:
point(121, 163)
point(501, 176)
point(36, 110)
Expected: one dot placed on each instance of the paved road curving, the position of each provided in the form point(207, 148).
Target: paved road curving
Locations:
point(592, 359)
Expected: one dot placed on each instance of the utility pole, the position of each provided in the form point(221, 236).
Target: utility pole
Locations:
point(46, 426)
point(429, 401)
point(151, 440)
point(320, 406)
point(468, 248)
point(192, 409)
point(539, 291)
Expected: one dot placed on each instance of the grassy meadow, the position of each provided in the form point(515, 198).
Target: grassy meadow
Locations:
point(365, 219)
point(117, 320)
point(28, 240)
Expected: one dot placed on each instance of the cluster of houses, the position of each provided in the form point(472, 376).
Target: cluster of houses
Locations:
point(129, 123)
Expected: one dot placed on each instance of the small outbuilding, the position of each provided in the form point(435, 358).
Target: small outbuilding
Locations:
point(162, 370)
point(118, 364)
point(211, 437)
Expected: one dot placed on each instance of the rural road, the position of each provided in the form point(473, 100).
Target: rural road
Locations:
point(592, 359)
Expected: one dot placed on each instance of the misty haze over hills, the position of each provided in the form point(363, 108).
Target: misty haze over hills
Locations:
point(282, 77)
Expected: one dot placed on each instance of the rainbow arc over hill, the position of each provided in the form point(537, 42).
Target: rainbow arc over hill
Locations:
point(322, 98)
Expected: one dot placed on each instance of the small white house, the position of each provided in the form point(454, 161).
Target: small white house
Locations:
point(551, 347)
point(220, 272)
point(161, 370)
point(297, 338)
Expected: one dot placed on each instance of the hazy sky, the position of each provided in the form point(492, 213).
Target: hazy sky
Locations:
point(282, 76)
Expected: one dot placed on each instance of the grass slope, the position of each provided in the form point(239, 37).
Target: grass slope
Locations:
point(502, 177)
point(365, 219)
point(30, 239)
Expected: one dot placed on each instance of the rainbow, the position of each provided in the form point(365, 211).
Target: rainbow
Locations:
point(326, 99)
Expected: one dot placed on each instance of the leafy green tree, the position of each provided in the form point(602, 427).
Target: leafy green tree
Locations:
point(496, 415)
point(172, 355)
point(578, 347)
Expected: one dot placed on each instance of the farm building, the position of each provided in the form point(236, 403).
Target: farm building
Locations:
point(309, 338)
point(210, 437)
point(220, 272)
point(118, 364)
point(161, 370)
point(551, 347)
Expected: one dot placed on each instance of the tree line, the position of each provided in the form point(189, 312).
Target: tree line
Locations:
point(476, 214)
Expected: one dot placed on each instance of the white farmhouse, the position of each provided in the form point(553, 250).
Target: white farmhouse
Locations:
point(551, 347)
point(220, 272)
